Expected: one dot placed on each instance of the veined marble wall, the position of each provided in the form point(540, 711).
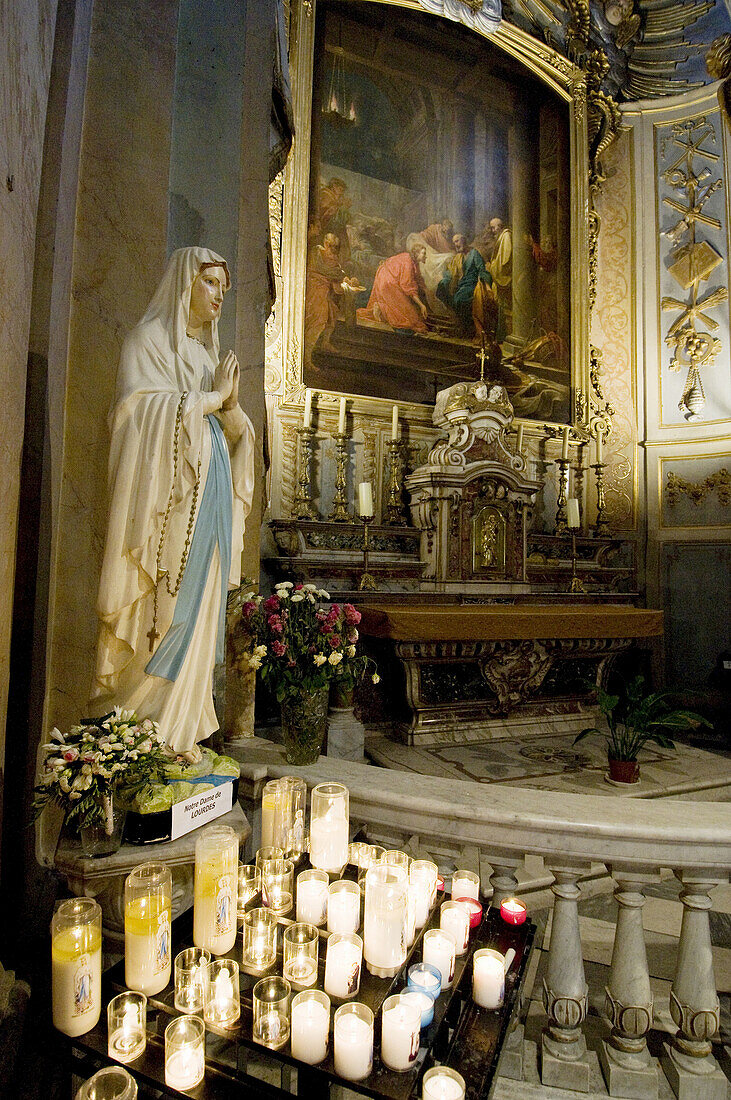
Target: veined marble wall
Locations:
point(119, 253)
point(26, 49)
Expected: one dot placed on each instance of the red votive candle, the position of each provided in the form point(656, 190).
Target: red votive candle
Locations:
point(513, 910)
point(440, 883)
point(473, 908)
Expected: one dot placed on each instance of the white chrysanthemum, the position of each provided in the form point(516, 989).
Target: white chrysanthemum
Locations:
point(254, 662)
point(297, 597)
point(309, 587)
point(351, 651)
point(260, 651)
point(323, 595)
point(376, 678)
point(319, 659)
point(335, 658)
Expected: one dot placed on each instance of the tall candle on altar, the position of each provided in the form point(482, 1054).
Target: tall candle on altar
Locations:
point(329, 827)
point(565, 443)
point(573, 519)
point(599, 446)
point(76, 966)
point(341, 417)
point(365, 498)
point(215, 892)
point(308, 409)
point(519, 441)
point(147, 918)
point(394, 423)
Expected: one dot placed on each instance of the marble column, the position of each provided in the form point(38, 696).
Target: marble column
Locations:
point(564, 1060)
point(688, 1062)
point(626, 1063)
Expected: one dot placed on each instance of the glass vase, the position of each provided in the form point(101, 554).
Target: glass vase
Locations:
point(104, 839)
point(304, 720)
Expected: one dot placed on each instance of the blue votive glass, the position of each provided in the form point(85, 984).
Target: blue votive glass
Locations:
point(424, 978)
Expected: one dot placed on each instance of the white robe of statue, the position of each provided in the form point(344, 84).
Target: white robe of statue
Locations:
point(160, 362)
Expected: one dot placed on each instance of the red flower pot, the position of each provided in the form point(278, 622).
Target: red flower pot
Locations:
point(624, 771)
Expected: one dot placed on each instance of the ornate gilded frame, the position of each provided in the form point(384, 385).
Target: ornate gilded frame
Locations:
point(289, 200)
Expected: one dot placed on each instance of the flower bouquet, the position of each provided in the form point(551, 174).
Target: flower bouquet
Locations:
point(99, 763)
point(299, 648)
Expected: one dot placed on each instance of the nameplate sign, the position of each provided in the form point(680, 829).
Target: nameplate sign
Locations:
point(201, 808)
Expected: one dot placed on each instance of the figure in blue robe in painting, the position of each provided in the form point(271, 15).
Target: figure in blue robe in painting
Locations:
point(466, 284)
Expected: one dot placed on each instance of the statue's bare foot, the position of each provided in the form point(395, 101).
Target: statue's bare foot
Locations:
point(170, 753)
point(193, 756)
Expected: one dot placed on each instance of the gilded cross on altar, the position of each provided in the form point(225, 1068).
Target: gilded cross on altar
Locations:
point(481, 356)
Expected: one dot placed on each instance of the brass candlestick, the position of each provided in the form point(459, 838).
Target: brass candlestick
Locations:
point(340, 513)
point(367, 583)
point(304, 507)
point(601, 527)
point(576, 583)
point(564, 465)
point(394, 502)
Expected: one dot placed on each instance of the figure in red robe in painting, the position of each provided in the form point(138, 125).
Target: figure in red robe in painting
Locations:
point(323, 296)
point(439, 235)
point(399, 295)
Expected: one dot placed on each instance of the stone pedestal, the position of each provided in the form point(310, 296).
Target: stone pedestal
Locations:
point(345, 734)
point(687, 1082)
point(629, 1075)
point(512, 1058)
point(103, 878)
point(560, 1072)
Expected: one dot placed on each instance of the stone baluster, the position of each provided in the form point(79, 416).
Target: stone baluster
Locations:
point(505, 885)
point(503, 879)
point(564, 1059)
point(688, 1062)
point(628, 1069)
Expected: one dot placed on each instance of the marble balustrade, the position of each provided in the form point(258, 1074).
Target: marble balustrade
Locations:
point(634, 839)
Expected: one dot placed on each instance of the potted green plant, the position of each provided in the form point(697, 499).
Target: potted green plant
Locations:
point(634, 717)
point(299, 648)
point(94, 771)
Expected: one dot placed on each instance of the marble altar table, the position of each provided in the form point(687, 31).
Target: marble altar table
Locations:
point(464, 666)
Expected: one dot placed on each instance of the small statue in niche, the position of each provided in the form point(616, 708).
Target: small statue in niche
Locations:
point(488, 541)
point(181, 481)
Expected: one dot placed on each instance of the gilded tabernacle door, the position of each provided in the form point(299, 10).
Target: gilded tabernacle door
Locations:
point(436, 201)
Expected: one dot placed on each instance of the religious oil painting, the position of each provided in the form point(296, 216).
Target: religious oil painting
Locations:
point(439, 214)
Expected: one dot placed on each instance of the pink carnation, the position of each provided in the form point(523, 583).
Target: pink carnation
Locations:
point(279, 649)
point(248, 609)
point(326, 627)
point(271, 603)
point(321, 615)
point(70, 755)
point(298, 587)
point(352, 617)
point(275, 623)
point(335, 641)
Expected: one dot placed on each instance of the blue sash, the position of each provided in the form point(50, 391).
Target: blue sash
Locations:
point(212, 528)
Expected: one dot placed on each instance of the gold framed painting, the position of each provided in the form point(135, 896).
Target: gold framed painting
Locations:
point(435, 206)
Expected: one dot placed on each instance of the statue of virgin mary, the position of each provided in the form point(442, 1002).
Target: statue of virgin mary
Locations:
point(181, 479)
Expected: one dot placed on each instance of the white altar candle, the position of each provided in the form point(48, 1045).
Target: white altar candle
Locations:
point(76, 966)
point(341, 417)
point(308, 409)
point(353, 1042)
point(343, 906)
point(572, 513)
point(312, 895)
point(329, 830)
point(519, 440)
point(365, 498)
point(400, 1028)
point(565, 443)
point(441, 1083)
point(147, 919)
point(599, 445)
point(488, 978)
point(440, 950)
point(215, 896)
point(454, 918)
point(394, 422)
point(343, 963)
point(310, 1024)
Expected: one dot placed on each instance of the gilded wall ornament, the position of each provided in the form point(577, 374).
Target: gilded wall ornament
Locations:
point(697, 491)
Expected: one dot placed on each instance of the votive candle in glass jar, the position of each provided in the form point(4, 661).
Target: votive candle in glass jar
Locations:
point(249, 885)
point(191, 979)
point(400, 1028)
point(289, 816)
point(148, 892)
point(488, 978)
point(442, 1083)
point(271, 1012)
point(110, 1083)
point(310, 1026)
point(76, 966)
point(268, 809)
point(412, 898)
point(329, 827)
point(343, 962)
point(425, 978)
point(312, 895)
point(216, 886)
point(423, 876)
point(513, 910)
point(353, 1041)
point(265, 854)
point(127, 1026)
point(423, 1001)
point(374, 854)
point(343, 906)
point(300, 952)
point(260, 941)
point(465, 884)
point(454, 918)
point(223, 1000)
point(185, 1052)
point(385, 922)
point(394, 857)
point(359, 853)
point(474, 908)
point(440, 950)
point(277, 885)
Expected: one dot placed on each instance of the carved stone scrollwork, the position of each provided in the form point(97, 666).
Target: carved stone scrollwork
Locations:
point(515, 670)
